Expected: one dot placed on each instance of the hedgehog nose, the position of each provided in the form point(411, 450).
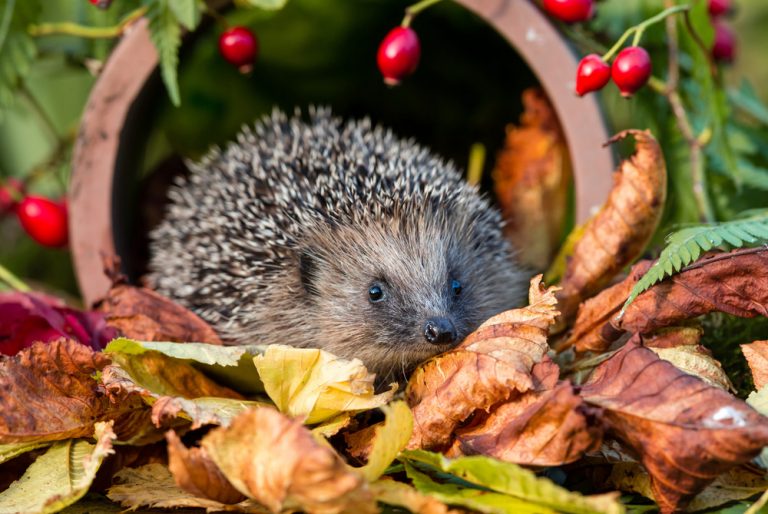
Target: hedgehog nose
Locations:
point(439, 331)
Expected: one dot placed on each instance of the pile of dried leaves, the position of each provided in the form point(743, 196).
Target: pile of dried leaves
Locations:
point(610, 399)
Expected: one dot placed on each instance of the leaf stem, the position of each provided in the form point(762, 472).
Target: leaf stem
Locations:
point(74, 29)
point(638, 29)
point(12, 280)
point(413, 10)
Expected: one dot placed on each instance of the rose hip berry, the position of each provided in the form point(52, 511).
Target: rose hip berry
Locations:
point(239, 46)
point(631, 70)
point(719, 7)
point(592, 74)
point(398, 55)
point(44, 220)
point(101, 4)
point(10, 193)
point(570, 11)
point(724, 47)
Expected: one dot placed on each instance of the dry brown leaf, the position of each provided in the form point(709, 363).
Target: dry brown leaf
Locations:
point(152, 486)
point(194, 471)
point(142, 314)
point(49, 394)
point(492, 363)
point(619, 232)
point(531, 178)
point(736, 484)
point(277, 462)
point(592, 330)
point(547, 428)
point(757, 357)
point(673, 337)
point(685, 431)
point(735, 283)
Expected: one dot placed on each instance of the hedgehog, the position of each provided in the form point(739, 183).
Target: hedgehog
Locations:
point(337, 235)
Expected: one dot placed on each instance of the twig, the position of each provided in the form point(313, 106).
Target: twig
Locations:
point(670, 91)
point(74, 29)
point(12, 280)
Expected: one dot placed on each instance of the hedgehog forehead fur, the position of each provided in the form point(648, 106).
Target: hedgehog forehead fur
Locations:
point(279, 238)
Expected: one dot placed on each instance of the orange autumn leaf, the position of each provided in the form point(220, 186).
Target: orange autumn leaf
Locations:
point(490, 365)
point(619, 232)
point(684, 431)
point(276, 462)
point(195, 472)
point(142, 314)
point(540, 428)
point(531, 178)
point(49, 394)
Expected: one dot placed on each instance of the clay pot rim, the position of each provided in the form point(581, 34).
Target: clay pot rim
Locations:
point(133, 61)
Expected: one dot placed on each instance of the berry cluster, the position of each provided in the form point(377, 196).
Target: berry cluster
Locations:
point(45, 220)
point(630, 71)
point(724, 46)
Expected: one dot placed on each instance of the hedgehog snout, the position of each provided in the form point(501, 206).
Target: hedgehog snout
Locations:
point(439, 330)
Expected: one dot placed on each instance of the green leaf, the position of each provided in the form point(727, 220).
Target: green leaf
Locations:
point(512, 481)
point(480, 500)
point(270, 5)
point(229, 365)
point(391, 438)
point(685, 246)
point(165, 33)
point(188, 12)
point(13, 450)
point(747, 101)
point(60, 476)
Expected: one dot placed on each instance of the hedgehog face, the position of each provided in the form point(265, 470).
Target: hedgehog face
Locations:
point(396, 295)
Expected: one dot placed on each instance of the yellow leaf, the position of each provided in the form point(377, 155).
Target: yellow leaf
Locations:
point(390, 439)
point(317, 384)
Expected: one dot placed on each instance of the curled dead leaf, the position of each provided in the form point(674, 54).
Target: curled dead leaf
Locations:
point(619, 232)
point(684, 431)
point(195, 472)
point(734, 282)
point(531, 178)
point(757, 357)
point(140, 313)
point(277, 462)
point(490, 365)
point(696, 360)
point(547, 428)
point(49, 394)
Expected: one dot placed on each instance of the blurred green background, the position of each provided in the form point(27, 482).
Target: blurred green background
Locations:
point(318, 52)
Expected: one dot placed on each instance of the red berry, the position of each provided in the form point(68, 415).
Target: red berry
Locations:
point(724, 47)
point(719, 7)
point(631, 70)
point(592, 74)
point(10, 192)
point(239, 46)
point(44, 220)
point(101, 4)
point(570, 11)
point(399, 54)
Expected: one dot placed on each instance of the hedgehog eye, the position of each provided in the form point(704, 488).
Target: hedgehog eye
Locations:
point(375, 293)
point(456, 287)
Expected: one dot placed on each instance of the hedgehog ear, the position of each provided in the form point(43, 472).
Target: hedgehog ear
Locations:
point(307, 269)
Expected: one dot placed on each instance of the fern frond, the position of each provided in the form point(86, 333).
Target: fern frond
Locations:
point(686, 246)
point(165, 32)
